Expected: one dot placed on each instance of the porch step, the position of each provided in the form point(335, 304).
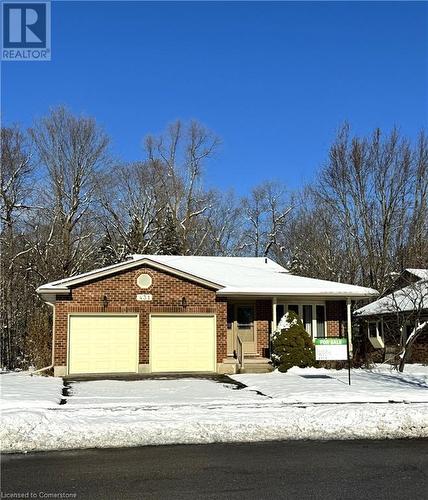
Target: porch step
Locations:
point(256, 369)
point(256, 365)
point(257, 360)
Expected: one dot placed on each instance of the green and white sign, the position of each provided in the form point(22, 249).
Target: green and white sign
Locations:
point(330, 349)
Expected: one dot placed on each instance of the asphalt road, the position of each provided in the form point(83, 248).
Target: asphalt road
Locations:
point(300, 469)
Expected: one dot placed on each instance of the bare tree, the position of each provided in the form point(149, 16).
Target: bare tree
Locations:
point(278, 209)
point(415, 253)
point(312, 244)
point(367, 191)
point(180, 156)
point(132, 206)
point(15, 189)
point(265, 212)
point(73, 151)
point(223, 226)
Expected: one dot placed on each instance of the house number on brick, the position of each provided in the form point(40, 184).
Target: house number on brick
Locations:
point(145, 296)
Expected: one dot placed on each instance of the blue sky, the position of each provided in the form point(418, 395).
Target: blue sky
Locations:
point(273, 80)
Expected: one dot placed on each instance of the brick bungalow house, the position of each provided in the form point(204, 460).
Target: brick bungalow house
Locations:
point(157, 313)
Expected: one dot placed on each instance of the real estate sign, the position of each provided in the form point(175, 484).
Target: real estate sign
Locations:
point(330, 349)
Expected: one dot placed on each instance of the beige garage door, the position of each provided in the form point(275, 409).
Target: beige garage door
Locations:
point(103, 344)
point(182, 343)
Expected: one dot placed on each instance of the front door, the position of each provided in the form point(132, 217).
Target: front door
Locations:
point(245, 327)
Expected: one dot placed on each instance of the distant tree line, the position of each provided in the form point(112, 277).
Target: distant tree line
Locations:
point(67, 205)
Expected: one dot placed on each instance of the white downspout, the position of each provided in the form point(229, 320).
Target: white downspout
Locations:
point(40, 370)
point(349, 323)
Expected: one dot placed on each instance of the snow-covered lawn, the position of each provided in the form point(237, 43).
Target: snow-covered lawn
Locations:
point(191, 410)
point(20, 390)
point(318, 385)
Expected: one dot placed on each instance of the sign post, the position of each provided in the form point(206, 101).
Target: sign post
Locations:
point(349, 360)
point(333, 349)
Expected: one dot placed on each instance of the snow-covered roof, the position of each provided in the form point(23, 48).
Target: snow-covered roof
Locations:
point(228, 275)
point(419, 273)
point(409, 298)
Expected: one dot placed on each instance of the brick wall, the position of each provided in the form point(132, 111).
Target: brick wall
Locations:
point(221, 307)
point(419, 352)
point(335, 311)
point(121, 290)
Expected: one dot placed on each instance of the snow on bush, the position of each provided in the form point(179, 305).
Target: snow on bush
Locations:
point(291, 344)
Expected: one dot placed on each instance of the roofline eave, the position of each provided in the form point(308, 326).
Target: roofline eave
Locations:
point(329, 295)
point(64, 286)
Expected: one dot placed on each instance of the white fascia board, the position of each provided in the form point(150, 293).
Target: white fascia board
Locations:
point(291, 293)
point(63, 286)
point(46, 290)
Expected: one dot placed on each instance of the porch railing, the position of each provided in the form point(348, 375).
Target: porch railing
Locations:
point(240, 352)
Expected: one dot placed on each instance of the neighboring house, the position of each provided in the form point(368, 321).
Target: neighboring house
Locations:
point(157, 313)
point(395, 318)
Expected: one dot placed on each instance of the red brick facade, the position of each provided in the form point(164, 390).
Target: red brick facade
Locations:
point(121, 290)
point(335, 311)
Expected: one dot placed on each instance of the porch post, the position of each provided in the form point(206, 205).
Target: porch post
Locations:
point(274, 318)
point(349, 323)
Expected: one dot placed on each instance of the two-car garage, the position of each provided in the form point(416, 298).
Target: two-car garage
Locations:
point(109, 343)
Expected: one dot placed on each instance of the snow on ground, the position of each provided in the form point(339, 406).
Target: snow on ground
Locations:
point(191, 410)
point(318, 385)
point(185, 391)
point(21, 390)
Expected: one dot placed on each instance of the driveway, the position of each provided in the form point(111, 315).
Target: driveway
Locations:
point(158, 391)
point(293, 470)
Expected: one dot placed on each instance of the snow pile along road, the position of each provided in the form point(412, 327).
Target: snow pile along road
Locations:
point(107, 427)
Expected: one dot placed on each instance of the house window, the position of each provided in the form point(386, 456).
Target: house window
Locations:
point(244, 316)
point(376, 329)
point(312, 316)
point(320, 315)
point(294, 308)
point(280, 310)
point(373, 329)
point(307, 318)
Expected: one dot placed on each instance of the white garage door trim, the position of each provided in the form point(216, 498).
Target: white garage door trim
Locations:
point(172, 315)
point(137, 331)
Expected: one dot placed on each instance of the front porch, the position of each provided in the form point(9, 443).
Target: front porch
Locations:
point(251, 320)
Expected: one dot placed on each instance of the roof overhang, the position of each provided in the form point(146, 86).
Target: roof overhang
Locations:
point(63, 287)
point(325, 295)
